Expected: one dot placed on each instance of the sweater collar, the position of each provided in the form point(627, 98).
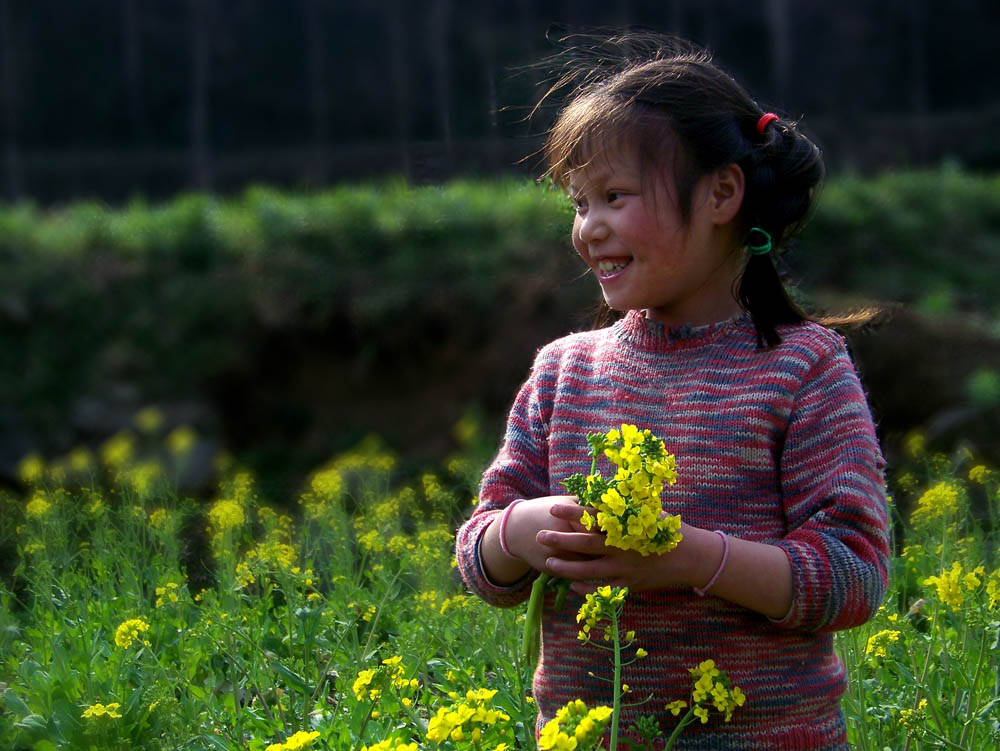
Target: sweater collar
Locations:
point(635, 329)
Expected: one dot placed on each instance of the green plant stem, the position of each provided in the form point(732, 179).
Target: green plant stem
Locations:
point(685, 721)
point(972, 690)
point(617, 702)
point(530, 641)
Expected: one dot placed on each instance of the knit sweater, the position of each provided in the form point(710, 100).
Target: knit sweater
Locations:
point(774, 445)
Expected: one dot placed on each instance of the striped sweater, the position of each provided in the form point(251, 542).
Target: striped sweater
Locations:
point(773, 445)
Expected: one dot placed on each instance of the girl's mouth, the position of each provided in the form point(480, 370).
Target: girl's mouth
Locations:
point(610, 267)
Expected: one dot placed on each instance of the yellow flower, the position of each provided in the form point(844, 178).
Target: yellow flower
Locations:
point(979, 474)
point(993, 588)
point(148, 419)
point(362, 683)
point(948, 586)
point(129, 631)
point(102, 710)
point(38, 507)
point(629, 509)
point(117, 451)
point(181, 440)
point(878, 643)
point(675, 707)
point(916, 444)
point(226, 514)
point(80, 459)
point(31, 469)
point(973, 579)
point(937, 502)
point(299, 740)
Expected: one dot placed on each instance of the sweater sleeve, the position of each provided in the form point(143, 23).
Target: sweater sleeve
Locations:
point(833, 488)
point(520, 470)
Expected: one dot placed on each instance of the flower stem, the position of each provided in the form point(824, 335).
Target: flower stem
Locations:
point(530, 641)
point(685, 721)
point(617, 702)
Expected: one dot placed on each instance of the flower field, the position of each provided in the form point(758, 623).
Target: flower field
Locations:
point(136, 618)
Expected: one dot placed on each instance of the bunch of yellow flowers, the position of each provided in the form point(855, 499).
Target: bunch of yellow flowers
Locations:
point(466, 719)
point(575, 728)
point(712, 687)
point(295, 742)
point(131, 631)
point(952, 584)
point(392, 673)
point(604, 605)
point(628, 505)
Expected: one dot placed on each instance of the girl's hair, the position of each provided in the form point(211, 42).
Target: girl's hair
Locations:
point(665, 98)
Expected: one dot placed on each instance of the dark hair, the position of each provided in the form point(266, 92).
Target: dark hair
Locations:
point(666, 98)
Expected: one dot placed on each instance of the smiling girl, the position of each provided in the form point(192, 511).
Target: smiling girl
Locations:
point(684, 189)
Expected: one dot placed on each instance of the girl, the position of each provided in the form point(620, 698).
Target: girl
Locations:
point(684, 188)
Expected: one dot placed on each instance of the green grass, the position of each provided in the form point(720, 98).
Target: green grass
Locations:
point(267, 630)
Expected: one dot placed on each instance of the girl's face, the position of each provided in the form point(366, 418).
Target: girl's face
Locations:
point(631, 234)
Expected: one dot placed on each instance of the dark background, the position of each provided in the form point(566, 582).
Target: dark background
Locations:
point(112, 98)
point(275, 359)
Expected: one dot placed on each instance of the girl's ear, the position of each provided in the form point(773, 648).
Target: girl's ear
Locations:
point(726, 197)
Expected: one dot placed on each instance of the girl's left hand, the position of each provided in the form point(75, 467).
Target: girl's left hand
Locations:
point(584, 558)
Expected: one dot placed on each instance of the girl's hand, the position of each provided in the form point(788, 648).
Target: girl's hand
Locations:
point(584, 558)
point(531, 518)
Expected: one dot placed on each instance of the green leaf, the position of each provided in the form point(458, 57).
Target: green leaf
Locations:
point(296, 680)
point(33, 723)
point(215, 741)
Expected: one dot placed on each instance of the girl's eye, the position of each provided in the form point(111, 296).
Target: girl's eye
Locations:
point(580, 204)
point(614, 195)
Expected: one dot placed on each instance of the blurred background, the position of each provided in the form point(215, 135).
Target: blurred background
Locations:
point(111, 98)
point(291, 224)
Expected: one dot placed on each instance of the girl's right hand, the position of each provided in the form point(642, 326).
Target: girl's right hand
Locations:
point(529, 518)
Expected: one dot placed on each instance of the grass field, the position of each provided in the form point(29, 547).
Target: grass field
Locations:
point(136, 618)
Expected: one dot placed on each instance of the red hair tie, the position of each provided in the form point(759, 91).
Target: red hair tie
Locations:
point(764, 121)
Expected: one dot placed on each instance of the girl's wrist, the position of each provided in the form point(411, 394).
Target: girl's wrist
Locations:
point(502, 530)
point(702, 551)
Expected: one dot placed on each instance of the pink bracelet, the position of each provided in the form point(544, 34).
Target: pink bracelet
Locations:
point(503, 529)
point(725, 557)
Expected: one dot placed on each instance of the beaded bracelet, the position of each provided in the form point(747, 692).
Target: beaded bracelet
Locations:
point(503, 529)
point(702, 590)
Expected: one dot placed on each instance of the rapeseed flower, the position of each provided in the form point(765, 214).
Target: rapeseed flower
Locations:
point(226, 514)
point(879, 643)
point(168, 594)
point(117, 451)
point(80, 459)
point(391, 744)
point(31, 469)
point(148, 419)
point(937, 502)
point(468, 719)
point(951, 585)
point(979, 474)
point(575, 727)
point(38, 507)
point(712, 688)
point(295, 742)
point(102, 710)
point(181, 440)
point(993, 588)
point(628, 505)
point(604, 605)
point(362, 686)
point(129, 631)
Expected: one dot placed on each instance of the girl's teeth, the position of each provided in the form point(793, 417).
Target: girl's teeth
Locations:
point(610, 267)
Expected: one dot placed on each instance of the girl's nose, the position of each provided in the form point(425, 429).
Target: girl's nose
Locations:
point(592, 227)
